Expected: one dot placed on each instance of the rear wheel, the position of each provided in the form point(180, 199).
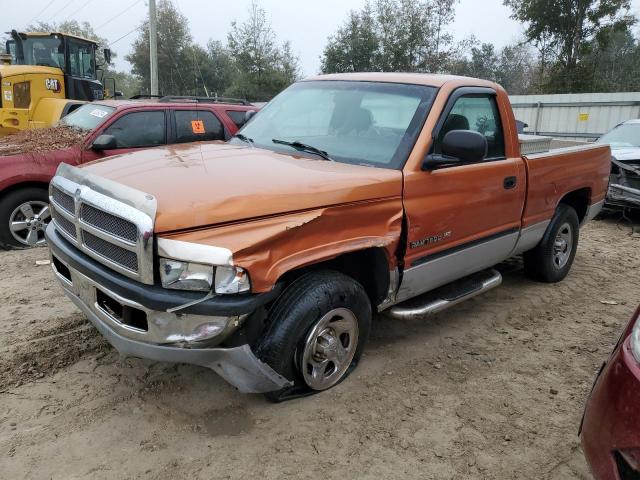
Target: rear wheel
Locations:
point(551, 260)
point(317, 332)
point(24, 216)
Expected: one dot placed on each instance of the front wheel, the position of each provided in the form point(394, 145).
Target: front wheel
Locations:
point(551, 260)
point(316, 334)
point(24, 216)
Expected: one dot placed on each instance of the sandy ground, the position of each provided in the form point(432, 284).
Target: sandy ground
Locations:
point(493, 388)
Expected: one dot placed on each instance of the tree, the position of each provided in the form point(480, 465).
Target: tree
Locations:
point(563, 31)
point(176, 69)
point(393, 35)
point(263, 68)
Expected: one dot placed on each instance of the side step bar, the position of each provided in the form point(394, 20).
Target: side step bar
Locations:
point(447, 296)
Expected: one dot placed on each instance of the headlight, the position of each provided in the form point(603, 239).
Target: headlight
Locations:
point(635, 340)
point(179, 275)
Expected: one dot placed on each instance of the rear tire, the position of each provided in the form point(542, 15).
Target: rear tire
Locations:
point(316, 334)
point(24, 215)
point(551, 260)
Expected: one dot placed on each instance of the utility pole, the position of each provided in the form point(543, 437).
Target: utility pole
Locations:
point(153, 47)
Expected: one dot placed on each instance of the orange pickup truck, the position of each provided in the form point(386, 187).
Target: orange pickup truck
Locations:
point(265, 258)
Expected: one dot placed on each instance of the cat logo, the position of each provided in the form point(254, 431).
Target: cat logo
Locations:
point(52, 84)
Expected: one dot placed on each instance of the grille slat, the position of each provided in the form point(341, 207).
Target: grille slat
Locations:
point(63, 200)
point(114, 253)
point(108, 223)
point(65, 225)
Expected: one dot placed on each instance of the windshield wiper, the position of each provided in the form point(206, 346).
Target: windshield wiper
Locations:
point(304, 147)
point(244, 138)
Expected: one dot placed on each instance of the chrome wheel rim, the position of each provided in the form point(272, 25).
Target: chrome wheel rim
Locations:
point(562, 246)
point(28, 222)
point(329, 349)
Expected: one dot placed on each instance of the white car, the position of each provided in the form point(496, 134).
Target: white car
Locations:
point(624, 186)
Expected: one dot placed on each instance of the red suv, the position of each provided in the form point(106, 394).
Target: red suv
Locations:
point(113, 127)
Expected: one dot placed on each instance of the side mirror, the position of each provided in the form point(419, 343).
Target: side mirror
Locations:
point(107, 55)
point(458, 147)
point(248, 115)
point(104, 142)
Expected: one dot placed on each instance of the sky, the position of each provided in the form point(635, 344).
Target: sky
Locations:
point(305, 23)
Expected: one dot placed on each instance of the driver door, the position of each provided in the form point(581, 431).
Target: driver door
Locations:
point(462, 218)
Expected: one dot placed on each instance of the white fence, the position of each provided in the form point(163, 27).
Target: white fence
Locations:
point(582, 116)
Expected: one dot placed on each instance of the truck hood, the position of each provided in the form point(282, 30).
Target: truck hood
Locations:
point(204, 184)
point(625, 154)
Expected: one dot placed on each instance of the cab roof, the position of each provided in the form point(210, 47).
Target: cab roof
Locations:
point(428, 79)
point(48, 34)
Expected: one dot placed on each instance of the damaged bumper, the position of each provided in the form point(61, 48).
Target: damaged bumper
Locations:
point(136, 322)
point(624, 187)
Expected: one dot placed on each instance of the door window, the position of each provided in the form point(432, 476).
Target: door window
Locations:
point(81, 60)
point(478, 113)
point(238, 117)
point(197, 125)
point(139, 129)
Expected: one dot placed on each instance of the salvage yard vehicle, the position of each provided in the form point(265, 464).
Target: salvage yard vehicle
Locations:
point(610, 429)
point(48, 75)
point(264, 259)
point(624, 188)
point(104, 129)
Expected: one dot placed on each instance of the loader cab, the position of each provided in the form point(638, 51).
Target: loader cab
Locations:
point(74, 56)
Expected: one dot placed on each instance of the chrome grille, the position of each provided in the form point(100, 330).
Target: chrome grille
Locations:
point(109, 223)
point(63, 200)
point(111, 252)
point(64, 224)
point(110, 231)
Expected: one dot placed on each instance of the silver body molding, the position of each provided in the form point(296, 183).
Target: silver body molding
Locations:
point(442, 270)
point(593, 211)
point(459, 264)
point(238, 366)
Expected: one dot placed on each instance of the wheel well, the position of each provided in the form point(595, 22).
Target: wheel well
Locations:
point(19, 186)
point(579, 201)
point(369, 267)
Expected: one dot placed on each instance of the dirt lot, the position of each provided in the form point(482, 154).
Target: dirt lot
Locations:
point(490, 389)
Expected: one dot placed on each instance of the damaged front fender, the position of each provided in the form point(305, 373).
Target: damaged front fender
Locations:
point(624, 188)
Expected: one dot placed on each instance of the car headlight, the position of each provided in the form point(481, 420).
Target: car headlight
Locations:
point(180, 275)
point(635, 341)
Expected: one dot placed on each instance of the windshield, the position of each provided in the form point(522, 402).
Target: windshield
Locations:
point(45, 51)
point(88, 116)
point(353, 122)
point(623, 136)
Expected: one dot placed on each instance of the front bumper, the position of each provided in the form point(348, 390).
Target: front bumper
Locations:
point(163, 336)
point(611, 424)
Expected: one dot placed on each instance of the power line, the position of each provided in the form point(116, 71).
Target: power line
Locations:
point(123, 36)
point(118, 15)
point(82, 7)
point(62, 9)
point(41, 11)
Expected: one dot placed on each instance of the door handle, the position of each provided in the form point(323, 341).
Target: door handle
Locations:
point(510, 182)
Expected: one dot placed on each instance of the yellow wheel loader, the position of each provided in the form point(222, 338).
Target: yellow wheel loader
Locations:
point(44, 76)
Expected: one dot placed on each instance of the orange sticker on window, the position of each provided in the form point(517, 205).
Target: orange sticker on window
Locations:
point(197, 126)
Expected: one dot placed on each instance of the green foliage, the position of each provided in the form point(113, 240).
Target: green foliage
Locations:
point(393, 35)
point(263, 68)
point(564, 31)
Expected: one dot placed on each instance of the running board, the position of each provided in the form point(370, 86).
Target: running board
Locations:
point(447, 296)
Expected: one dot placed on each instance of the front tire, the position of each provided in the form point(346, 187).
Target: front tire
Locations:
point(24, 216)
point(316, 334)
point(551, 260)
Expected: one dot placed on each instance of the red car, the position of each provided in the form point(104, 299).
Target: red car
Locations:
point(610, 428)
point(114, 127)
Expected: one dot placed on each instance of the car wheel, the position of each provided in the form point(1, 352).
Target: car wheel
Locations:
point(316, 334)
point(551, 260)
point(24, 214)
